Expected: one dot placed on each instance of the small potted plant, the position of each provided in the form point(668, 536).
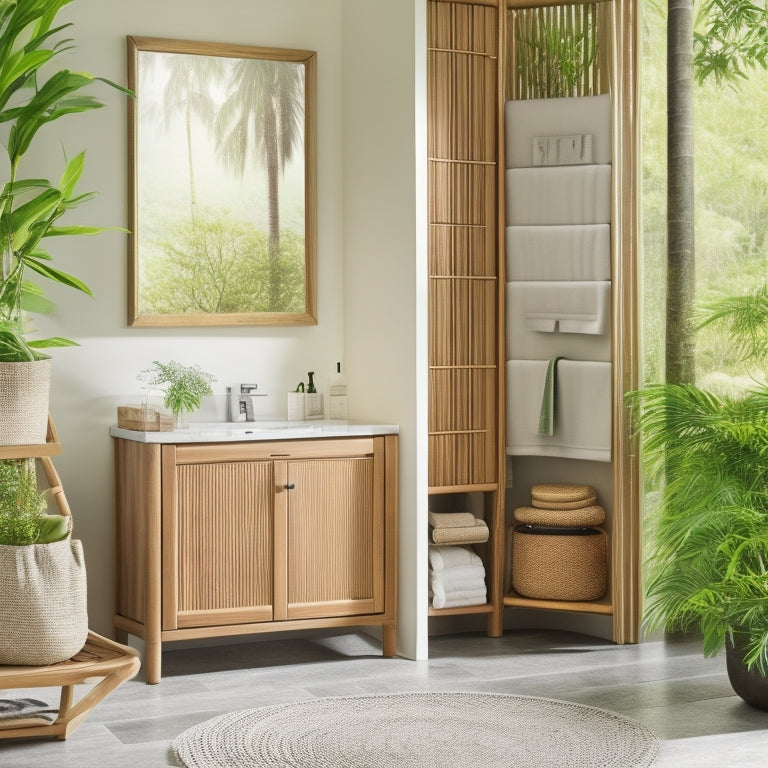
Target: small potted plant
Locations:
point(31, 96)
point(183, 386)
point(708, 556)
point(43, 613)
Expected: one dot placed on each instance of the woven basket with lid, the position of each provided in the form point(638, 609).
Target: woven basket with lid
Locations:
point(559, 563)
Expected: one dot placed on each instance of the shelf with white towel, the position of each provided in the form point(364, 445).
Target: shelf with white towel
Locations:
point(456, 572)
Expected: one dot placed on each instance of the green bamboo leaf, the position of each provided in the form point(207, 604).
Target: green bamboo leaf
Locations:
point(116, 86)
point(54, 341)
point(71, 175)
point(34, 301)
point(17, 68)
point(26, 216)
point(80, 230)
point(51, 9)
point(21, 185)
point(74, 202)
point(58, 276)
point(44, 107)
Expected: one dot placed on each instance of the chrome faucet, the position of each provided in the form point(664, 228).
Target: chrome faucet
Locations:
point(240, 399)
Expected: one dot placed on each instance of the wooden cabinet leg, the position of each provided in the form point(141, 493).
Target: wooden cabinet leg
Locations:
point(152, 661)
point(388, 640)
point(495, 626)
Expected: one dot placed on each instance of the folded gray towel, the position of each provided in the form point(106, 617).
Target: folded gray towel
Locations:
point(16, 709)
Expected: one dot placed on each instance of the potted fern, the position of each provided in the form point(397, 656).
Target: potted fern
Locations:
point(708, 564)
point(183, 387)
point(31, 96)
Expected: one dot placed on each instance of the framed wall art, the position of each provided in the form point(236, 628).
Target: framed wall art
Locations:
point(222, 184)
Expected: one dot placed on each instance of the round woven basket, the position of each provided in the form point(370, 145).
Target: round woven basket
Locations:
point(551, 563)
point(593, 515)
point(562, 495)
point(24, 393)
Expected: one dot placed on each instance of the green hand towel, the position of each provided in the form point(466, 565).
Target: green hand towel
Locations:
point(548, 409)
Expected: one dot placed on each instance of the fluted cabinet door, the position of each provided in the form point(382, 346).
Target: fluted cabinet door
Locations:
point(224, 535)
point(335, 538)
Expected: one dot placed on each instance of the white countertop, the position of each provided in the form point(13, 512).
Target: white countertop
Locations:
point(242, 431)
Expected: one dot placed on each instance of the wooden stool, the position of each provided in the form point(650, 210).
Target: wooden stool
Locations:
point(99, 658)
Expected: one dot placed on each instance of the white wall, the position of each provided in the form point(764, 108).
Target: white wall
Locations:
point(367, 247)
point(385, 261)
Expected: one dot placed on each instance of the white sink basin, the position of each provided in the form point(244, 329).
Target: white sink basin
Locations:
point(233, 431)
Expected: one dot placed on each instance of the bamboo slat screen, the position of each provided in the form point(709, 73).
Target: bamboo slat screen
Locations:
point(462, 69)
point(558, 50)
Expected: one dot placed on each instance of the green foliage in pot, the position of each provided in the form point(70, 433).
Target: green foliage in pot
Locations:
point(708, 562)
point(184, 386)
point(31, 97)
point(23, 519)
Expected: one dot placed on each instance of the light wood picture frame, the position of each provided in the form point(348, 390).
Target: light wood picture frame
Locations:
point(222, 184)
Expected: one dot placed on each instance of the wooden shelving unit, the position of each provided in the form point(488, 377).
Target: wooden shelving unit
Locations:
point(101, 660)
point(468, 70)
point(464, 376)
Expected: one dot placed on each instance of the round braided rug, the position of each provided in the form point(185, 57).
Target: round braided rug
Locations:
point(419, 730)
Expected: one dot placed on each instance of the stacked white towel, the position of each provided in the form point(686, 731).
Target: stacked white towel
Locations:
point(456, 577)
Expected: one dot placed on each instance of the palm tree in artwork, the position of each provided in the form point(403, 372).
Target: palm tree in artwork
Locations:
point(262, 119)
point(188, 92)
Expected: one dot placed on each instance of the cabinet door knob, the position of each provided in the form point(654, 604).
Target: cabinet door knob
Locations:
point(289, 486)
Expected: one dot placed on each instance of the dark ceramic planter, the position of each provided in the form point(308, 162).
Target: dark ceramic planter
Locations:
point(748, 683)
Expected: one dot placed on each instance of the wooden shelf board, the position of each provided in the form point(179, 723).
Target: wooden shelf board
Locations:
point(476, 488)
point(602, 606)
point(52, 446)
point(461, 610)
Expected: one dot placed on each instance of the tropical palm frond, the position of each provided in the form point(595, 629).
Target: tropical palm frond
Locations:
point(746, 320)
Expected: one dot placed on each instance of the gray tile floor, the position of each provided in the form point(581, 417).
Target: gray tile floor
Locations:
point(667, 685)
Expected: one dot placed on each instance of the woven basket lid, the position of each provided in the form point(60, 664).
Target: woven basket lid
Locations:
point(588, 502)
point(562, 493)
point(585, 516)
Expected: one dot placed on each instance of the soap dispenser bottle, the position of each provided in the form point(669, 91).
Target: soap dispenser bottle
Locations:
point(337, 394)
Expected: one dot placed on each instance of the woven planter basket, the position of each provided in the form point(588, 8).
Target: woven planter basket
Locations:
point(559, 563)
point(24, 392)
point(43, 613)
point(43, 594)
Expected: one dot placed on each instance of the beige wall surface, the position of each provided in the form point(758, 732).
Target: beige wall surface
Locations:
point(369, 251)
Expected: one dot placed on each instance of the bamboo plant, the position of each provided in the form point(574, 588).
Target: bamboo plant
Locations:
point(30, 208)
point(708, 562)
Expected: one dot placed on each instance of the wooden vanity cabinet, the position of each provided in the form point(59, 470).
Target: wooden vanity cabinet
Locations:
point(221, 539)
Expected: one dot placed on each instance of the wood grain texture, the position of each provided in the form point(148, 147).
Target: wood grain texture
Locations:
point(224, 532)
point(626, 546)
point(463, 176)
point(332, 532)
point(241, 538)
point(137, 496)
